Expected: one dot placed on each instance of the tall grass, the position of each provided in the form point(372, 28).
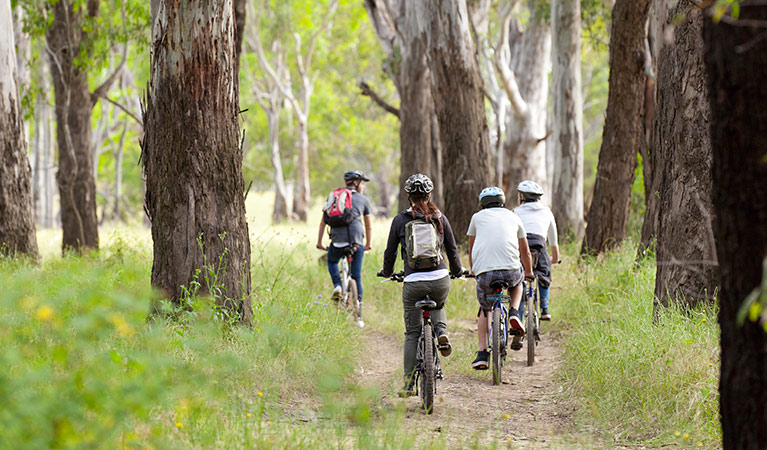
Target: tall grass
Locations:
point(635, 374)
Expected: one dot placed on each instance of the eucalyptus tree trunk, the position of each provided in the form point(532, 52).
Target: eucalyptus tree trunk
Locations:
point(567, 139)
point(459, 104)
point(529, 62)
point(17, 223)
point(193, 165)
point(623, 130)
point(281, 210)
point(736, 63)
point(686, 254)
point(240, 14)
point(406, 50)
point(74, 104)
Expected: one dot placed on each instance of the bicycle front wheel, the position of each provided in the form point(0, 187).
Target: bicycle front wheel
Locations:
point(352, 296)
point(428, 370)
point(530, 331)
point(496, 347)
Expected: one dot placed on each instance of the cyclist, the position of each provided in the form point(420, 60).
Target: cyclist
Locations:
point(351, 235)
point(497, 240)
point(540, 224)
point(428, 279)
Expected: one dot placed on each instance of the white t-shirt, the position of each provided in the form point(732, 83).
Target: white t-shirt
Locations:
point(538, 219)
point(496, 245)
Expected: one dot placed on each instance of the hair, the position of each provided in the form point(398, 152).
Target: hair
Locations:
point(493, 205)
point(421, 204)
point(529, 197)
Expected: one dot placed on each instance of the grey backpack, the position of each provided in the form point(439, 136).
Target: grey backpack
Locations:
point(423, 246)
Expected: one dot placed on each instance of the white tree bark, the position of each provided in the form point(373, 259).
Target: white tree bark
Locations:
point(567, 192)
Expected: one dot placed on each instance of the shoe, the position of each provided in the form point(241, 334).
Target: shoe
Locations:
point(360, 323)
point(515, 325)
point(545, 315)
point(480, 363)
point(443, 344)
point(408, 391)
point(337, 293)
point(516, 343)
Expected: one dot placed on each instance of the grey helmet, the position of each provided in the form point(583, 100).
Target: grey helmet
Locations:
point(530, 190)
point(419, 184)
point(491, 195)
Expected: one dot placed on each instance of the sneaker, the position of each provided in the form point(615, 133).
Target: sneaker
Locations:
point(516, 343)
point(545, 315)
point(480, 363)
point(443, 344)
point(337, 293)
point(515, 325)
point(360, 323)
point(408, 391)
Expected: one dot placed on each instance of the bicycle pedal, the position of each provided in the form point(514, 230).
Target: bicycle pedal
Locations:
point(439, 375)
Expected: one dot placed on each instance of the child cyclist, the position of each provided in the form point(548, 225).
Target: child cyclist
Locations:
point(429, 278)
point(497, 239)
point(540, 224)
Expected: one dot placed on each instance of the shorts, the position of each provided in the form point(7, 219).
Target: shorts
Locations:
point(513, 277)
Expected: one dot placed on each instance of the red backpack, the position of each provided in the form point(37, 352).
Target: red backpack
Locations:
point(337, 211)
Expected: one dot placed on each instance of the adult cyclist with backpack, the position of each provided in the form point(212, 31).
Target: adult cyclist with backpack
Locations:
point(426, 274)
point(344, 212)
point(540, 226)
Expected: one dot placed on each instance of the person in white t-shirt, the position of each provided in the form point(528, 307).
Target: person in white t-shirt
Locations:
point(540, 226)
point(498, 250)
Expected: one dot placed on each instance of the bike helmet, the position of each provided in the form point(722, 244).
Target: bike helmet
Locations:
point(490, 195)
point(353, 175)
point(530, 190)
point(418, 184)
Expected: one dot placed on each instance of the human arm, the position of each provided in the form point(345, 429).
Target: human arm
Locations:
point(456, 268)
point(390, 254)
point(471, 248)
point(368, 231)
point(526, 257)
point(321, 234)
point(555, 254)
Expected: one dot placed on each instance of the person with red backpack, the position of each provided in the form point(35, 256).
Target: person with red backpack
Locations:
point(344, 212)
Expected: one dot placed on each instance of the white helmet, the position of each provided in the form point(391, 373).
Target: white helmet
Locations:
point(530, 187)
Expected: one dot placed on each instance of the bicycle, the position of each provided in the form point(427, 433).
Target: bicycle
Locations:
point(349, 295)
point(428, 369)
point(532, 313)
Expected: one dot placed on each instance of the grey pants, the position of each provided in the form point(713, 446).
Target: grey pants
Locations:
point(436, 290)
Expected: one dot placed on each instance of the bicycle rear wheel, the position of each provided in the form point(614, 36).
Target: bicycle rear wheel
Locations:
point(428, 370)
point(351, 297)
point(530, 331)
point(496, 347)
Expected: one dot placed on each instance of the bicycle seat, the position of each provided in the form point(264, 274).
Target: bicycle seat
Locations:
point(499, 284)
point(426, 304)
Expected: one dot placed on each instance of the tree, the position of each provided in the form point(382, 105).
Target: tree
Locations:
point(686, 258)
point(623, 132)
point(406, 52)
point(17, 223)
point(193, 165)
point(459, 104)
point(567, 138)
point(736, 63)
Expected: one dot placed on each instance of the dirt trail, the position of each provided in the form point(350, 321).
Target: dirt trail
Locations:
point(521, 413)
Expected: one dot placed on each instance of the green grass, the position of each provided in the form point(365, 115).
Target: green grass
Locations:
point(635, 375)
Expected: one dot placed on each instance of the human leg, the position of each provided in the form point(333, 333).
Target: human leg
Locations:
point(412, 317)
point(356, 269)
point(334, 255)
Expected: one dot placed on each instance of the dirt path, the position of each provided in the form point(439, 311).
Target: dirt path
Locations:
point(521, 413)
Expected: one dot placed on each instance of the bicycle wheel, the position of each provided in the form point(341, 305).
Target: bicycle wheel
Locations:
point(351, 297)
point(428, 373)
point(496, 347)
point(530, 331)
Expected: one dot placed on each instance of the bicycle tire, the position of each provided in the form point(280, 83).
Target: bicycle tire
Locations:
point(428, 371)
point(351, 298)
point(495, 351)
point(530, 331)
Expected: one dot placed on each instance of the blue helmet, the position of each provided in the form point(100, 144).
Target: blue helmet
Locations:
point(490, 195)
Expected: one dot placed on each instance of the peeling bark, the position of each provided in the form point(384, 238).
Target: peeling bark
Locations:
point(193, 164)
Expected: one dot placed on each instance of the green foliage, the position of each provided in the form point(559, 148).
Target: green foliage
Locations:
point(637, 374)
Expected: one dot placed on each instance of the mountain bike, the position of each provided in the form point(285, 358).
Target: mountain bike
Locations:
point(428, 369)
point(350, 298)
point(531, 313)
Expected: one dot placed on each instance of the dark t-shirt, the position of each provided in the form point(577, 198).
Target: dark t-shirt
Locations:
point(355, 233)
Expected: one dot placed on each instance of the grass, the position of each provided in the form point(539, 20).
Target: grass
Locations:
point(80, 366)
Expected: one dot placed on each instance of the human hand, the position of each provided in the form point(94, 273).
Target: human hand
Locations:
point(529, 275)
point(320, 246)
point(367, 247)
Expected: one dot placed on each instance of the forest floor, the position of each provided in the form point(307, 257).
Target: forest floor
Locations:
point(526, 411)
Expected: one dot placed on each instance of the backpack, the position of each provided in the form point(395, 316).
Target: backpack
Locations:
point(423, 247)
point(337, 211)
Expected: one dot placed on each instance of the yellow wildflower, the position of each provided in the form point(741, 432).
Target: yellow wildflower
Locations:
point(260, 394)
point(179, 425)
point(45, 313)
point(249, 415)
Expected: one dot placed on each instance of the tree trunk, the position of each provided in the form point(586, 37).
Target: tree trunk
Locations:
point(459, 104)
point(303, 189)
point(17, 223)
point(240, 13)
point(193, 165)
point(117, 213)
point(623, 130)
point(567, 191)
point(686, 258)
point(77, 188)
point(737, 67)
point(280, 210)
point(525, 147)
